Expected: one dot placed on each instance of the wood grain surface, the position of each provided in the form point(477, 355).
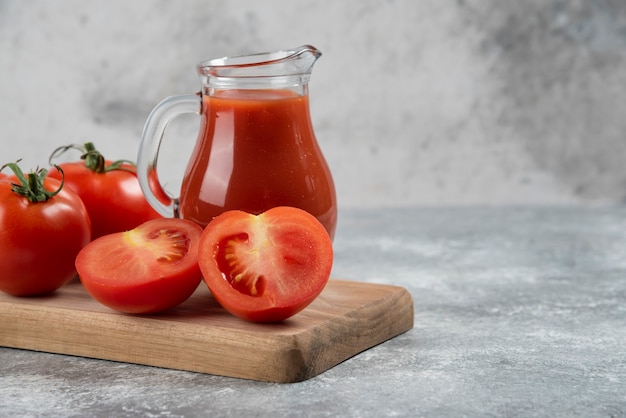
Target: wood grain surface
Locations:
point(346, 319)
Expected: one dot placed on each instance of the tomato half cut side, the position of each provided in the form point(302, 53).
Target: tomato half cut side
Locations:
point(266, 267)
point(149, 269)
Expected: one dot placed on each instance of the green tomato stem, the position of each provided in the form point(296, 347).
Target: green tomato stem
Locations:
point(94, 160)
point(31, 186)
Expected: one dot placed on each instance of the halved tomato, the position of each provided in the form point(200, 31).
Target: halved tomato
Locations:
point(267, 267)
point(148, 269)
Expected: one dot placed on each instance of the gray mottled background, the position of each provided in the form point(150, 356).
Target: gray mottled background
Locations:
point(475, 102)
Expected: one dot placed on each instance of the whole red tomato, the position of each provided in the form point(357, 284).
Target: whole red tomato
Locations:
point(110, 191)
point(44, 226)
point(267, 267)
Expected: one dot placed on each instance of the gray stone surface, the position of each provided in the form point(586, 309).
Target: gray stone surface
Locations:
point(423, 103)
point(518, 312)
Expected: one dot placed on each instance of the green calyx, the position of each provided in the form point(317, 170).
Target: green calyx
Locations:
point(31, 186)
point(94, 160)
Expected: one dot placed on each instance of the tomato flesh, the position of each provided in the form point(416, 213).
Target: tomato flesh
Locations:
point(267, 267)
point(240, 263)
point(149, 269)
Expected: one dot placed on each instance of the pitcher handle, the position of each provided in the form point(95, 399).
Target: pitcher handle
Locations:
point(153, 131)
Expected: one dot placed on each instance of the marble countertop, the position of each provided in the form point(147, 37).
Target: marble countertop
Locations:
point(518, 312)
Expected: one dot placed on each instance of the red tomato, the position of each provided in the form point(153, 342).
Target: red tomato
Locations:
point(148, 269)
point(39, 241)
point(267, 267)
point(110, 191)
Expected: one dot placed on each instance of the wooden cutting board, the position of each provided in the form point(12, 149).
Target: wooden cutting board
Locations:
point(346, 319)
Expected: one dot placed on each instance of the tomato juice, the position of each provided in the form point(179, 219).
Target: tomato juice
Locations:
point(256, 150)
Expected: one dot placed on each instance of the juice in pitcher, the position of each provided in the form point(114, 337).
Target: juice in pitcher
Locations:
point(256, 149)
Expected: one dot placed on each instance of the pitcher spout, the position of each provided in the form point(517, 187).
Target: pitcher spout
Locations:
point(303, 58)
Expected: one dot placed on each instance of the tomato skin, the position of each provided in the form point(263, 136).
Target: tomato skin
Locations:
point(148, 269)
point(39, 241)
point(113, 199)
point(267, 267)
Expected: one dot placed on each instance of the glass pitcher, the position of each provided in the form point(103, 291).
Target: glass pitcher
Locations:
point(256, 148)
